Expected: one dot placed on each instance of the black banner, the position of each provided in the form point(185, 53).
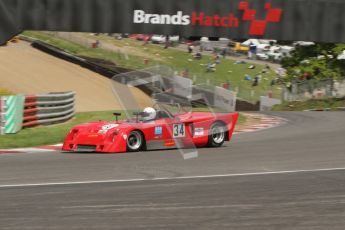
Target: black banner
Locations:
point(307, 20)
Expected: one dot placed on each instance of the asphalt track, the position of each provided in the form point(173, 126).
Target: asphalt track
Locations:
point(288, 177)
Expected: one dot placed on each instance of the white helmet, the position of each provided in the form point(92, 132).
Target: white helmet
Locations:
point(150, 114)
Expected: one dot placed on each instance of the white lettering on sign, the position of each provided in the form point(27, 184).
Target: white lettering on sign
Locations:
point(164, 19)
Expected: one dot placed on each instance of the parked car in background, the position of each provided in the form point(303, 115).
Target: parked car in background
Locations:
point(140, 37)
point(341, 56)
point(262, 56)
point(287, 50)
point(262, 48)
point(240, 48)
point(174, 38)
point(275, 53)
point(160, 39)
point(303, 43)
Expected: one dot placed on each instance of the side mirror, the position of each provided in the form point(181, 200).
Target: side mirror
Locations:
point(117, 115)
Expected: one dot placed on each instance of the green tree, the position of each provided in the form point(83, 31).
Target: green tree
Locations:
point(319, 61)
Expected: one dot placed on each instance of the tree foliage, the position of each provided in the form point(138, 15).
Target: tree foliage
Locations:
point(318, 61)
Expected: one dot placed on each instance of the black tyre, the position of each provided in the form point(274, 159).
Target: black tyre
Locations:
point(135, 141)
point(217, 135)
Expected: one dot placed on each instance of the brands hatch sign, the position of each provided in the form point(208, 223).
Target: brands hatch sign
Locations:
point(197, 19)
point(257, 27)
point(306, 20)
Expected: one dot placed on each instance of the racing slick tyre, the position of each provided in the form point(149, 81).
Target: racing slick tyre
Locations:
point(135, 141)
point(217, 135)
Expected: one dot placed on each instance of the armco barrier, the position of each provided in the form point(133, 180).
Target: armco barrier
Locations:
point(52, 50)
point(48, 108)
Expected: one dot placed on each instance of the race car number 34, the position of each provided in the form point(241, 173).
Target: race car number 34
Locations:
point(179, 130)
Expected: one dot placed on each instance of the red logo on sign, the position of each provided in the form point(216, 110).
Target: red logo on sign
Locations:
point(258, 27)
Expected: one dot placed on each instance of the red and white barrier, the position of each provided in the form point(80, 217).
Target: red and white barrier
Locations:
point(48, 108)
point(2, 117)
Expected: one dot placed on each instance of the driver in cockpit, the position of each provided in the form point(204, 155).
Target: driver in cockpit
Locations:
point(150, 114)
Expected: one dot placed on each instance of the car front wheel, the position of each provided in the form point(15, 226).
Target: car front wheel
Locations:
point(217, 135)
point(135, 141)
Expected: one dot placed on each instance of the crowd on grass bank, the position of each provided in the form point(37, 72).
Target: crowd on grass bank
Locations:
point(215, 59)
point(197, 53)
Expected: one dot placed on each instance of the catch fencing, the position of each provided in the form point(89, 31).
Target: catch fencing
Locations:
point(314, 89)
point(160, 80)
point(267, 103)
point(48, 109)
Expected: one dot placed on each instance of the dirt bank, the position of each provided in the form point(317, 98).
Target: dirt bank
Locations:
point(25, 70)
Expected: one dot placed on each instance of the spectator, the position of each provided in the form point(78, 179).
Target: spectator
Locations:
point(211, 67)
point(167, 38)
point(146, 40)
point(309, 77)
point(224, 52)
point(226, 85)
point(185, 73)
point(190, 48)
point(256, 81)
point(247, 77)
point(273, 82)
point(217, 59)
point(214, 55)
point(289, 86)
point(97, 43)
point(198, 56)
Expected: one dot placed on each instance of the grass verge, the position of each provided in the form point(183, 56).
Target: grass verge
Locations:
point(45, 135)
point(5, 92)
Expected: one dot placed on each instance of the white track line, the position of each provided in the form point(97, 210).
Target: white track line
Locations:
point(173, 178)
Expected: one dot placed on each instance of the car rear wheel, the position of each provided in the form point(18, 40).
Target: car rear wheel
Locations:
point(135, 141)
point(217, 134)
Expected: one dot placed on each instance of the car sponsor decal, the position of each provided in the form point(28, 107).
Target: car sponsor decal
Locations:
point(199, 132)
point(179, 130)
point(169, 143)
point(106, 128)
point(158, 130)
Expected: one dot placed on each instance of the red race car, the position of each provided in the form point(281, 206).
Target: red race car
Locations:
point(151, 130)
